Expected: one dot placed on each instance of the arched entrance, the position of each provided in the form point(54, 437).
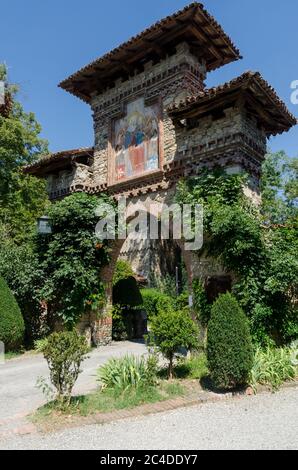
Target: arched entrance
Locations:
point(170, 253)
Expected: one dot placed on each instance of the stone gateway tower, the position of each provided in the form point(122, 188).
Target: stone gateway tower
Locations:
point(156, 122)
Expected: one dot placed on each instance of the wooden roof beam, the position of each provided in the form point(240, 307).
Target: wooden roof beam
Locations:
point(261, 110)
point(191, 14)
point(208, 106)
point(124, 65)
point(156, 47)
point(204, 39)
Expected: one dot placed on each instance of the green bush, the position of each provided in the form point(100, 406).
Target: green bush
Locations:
point(20, 268)
point(129, 371)
point(191, 368)
point(172, 330)
point(229, 344)
point(40, 344)
point(272, 367)
point(123, 270)
point(127, 293)
point(12, 326)
point(154, 300)
point(181, 301)
point(64, 353)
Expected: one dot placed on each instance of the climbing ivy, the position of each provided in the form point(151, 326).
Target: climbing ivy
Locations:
point(72, 257)
point(261, 255)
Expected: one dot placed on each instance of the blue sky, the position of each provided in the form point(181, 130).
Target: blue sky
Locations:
point(44, 42)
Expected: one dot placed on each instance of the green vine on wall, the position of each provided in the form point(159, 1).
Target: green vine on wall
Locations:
point(72, 258)
point(263, 259)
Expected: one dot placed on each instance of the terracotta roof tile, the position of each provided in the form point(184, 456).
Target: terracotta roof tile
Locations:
point(46, 160)
point(246, 80)
point(231, 54)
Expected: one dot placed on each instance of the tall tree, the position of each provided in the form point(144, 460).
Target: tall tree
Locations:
point(279, 186)
point(22, 198)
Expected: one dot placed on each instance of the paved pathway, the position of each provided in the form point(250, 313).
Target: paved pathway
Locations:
point(19, 395)
point(264, 421)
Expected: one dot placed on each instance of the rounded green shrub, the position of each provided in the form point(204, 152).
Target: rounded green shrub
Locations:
point(154, 300)
point(64, 353)
point(12, 325)
point(172, 330)
point(229, 344)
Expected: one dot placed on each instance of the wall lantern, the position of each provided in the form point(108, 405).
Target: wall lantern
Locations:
point(44, 225)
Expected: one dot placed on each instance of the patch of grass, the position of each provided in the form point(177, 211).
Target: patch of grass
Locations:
point(194, 368)
point(13, 354)
point(174, 389)
point(109, 400)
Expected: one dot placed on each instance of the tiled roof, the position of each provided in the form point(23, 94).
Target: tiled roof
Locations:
point(250, 81)
point(53, 158)
point(221, 49)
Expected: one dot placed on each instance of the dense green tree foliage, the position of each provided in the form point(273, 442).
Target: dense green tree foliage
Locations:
point(123, 270)
point(257, 244)
point(20, 266)
point(279, 185)
point(11, 320)
point(22, 198)
point(72, 257)
point(154, 300)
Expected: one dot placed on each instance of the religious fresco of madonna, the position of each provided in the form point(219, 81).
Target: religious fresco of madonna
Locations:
point(137, 140)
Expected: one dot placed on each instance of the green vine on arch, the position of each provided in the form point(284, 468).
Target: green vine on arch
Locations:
point(72, 257)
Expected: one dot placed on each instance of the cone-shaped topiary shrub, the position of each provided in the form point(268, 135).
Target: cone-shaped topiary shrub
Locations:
point(229, 345)
point(12, 326)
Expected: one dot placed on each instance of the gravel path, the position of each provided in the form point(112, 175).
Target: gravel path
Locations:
point(262, 422)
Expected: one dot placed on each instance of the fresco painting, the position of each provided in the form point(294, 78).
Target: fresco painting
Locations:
point(137, 140)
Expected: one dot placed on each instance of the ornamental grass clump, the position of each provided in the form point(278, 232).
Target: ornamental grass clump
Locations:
point(128, 372)
point(272, 367)
point(229, 344)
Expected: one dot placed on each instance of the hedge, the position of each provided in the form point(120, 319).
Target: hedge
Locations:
point(12, 327)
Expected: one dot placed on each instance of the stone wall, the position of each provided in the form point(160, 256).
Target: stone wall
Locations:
point(64, 182)
point(211, 135)
point(172, 79)
point(231, 140)
point(97, 328)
